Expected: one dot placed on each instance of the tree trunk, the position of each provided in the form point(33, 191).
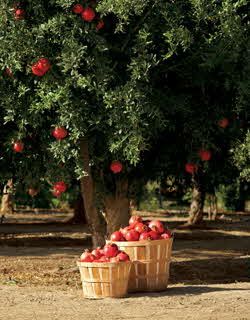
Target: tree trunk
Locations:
point(240, 206)
point(198, 200)
point(79, 212)
point(213, 208)
point(117, 208)
point(7, 205)
point(94, 217)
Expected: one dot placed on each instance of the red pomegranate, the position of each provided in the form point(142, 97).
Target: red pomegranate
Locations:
point(223, 123)
point(59, 133)
point(60, 186)
point(122, 256)
point(125, 230)
point(77, 8)
point(132, 235)
point(97, 253)
point(141, 227)
point(156, 225)
point(87, 257)
point(117, 236)
point(191, 168)
point(134, 220)
point(19, 14)
point(44, 65)
point(116, 167)
point(205, 155)
point(110, 250)
point(103, 259)
point(145, 236)
point(41, 67)
point(154, 235)
point(36, 71)
point(88, 14)
point(18, 146)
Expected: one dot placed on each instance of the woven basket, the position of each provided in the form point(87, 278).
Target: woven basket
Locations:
point(151, 262)
point(102, 280)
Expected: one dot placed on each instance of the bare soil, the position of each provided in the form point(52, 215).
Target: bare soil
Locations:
point(225, 302)
point(210, 272)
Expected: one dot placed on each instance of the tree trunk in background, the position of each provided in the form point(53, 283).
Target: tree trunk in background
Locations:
point(240, 206)
point(197, 202)
point(79, 212)
point(94, 217)
point(7, 205)
point(117, 207)
point(213, 207)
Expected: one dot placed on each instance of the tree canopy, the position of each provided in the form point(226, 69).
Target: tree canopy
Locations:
point(147, 83)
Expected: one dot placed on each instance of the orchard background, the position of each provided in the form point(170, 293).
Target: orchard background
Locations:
point(113, 107)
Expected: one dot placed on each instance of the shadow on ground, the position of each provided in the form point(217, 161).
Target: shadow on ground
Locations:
point(222, 270)
point(186, 290)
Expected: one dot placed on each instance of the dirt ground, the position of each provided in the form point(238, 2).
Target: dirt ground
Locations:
point(180, 301)
point(210, 273)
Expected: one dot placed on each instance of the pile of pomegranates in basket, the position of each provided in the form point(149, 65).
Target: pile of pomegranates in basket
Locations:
point(139, 231)
point(109, 253)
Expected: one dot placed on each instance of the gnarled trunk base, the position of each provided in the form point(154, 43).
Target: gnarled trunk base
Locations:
point(117, 207)
point(197, 203)
point(213, 208)
point(117, 213)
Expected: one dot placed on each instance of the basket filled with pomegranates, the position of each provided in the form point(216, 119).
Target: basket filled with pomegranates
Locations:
point(149, 246)
point(104, 272)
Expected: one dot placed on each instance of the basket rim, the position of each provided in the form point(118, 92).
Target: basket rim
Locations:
point(140, 243)
point(102, 264)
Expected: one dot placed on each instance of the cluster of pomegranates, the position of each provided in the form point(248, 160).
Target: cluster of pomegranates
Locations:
point(205, 155)
point(109, 253)
point(87, 14)
point(60, 133)
point(139, 231)
point(58, 188)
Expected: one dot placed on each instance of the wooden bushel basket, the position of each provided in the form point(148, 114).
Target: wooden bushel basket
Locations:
point(151, 262)
point(102, 280)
